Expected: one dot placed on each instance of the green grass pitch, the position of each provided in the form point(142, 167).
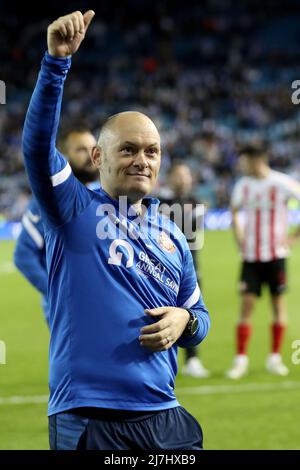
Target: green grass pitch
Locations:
point(258, 412)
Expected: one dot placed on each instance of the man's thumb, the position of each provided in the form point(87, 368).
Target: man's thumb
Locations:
point(87, 18)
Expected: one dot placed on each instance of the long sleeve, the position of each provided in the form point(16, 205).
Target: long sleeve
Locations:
point(189, 296)
point(30, 260)
point(30, 253)
point(60, 195)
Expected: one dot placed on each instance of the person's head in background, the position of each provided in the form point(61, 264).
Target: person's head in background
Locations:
point(180, 179)
point(254, 161)
point(77, 144)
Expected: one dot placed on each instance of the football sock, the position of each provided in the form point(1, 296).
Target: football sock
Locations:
point(277, 332)
point(243, 333)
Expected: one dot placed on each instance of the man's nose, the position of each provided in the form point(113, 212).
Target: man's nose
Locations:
point(141, 160)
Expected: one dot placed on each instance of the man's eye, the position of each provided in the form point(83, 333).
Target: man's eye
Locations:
point(127, 150)
point(152, 151)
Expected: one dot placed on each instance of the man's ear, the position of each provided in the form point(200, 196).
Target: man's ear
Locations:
point(96, 156)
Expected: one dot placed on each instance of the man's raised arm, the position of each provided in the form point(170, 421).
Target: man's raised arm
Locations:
point(57, 190)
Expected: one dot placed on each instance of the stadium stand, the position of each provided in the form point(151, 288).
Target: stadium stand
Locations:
point(212, 76)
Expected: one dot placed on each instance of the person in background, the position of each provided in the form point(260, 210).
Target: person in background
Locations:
point(264, 244)
point(30, 252)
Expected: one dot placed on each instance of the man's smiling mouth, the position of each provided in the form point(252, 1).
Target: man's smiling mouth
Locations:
point(138, 174)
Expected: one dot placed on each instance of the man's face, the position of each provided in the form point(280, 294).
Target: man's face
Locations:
point(181, 179)
point(249, 166)
point(129, 157)
point(78, 147)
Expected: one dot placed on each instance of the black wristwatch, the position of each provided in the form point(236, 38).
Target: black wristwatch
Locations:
point(192, 324)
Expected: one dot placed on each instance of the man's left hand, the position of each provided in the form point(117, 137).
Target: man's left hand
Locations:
point(161, 335)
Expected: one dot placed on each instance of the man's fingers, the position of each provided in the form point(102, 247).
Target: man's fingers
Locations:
point(152, 338)
point(76, 22)
point(63, 30)
point(87, 18)
point(156, 312)
point(81, 22)
point(154, 327)
point(76, 25)
point(158, 346)
point(162, 338)
point(70, 28)
point(67, 32)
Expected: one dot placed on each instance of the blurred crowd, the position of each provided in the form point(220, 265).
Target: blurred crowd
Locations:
point(213, 75)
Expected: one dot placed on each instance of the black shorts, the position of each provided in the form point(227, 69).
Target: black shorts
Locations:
point(171, 429)
point(256, 274)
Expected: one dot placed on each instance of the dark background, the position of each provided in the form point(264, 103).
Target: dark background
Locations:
point(213, 75)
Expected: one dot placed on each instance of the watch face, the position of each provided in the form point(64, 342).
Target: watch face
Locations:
point(194, 326)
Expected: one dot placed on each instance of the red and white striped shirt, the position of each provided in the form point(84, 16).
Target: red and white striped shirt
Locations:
point(264, 201)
